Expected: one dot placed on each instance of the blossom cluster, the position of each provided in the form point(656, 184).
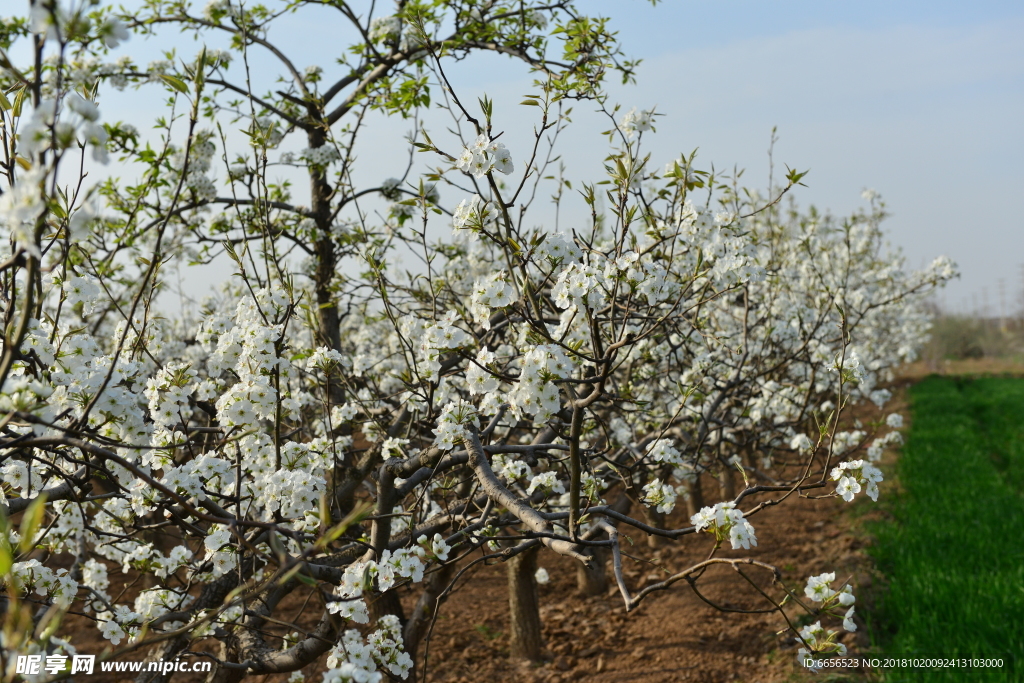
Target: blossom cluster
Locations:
point(196, 163)
point(634, 122)
point(817, 640)
point(383, 574)
point(483, 156)
point(356, 660)
point(855, 476)
point(451, 425)
point(660, 496)
point(323, 155)
point(724, 520)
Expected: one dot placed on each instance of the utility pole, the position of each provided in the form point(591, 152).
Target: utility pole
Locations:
point(1022, 296)
point(985, 314)
point(1002, 304)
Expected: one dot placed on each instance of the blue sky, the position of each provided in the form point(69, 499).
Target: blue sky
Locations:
point(922, 102)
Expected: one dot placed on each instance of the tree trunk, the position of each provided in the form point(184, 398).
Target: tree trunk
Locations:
point(380, 534)
point(657, 520)
point(753, 461)
point(419, 623)
point(524, 606)
point(222, 674)
point(326, 260)
point(695, 501)
point(594, 580)
point(382, 604)
point(726, 483)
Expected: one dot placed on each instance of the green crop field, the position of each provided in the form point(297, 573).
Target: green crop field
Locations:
point(953, 550)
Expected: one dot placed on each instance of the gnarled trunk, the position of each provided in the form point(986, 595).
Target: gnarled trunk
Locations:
point(426, 607)
point(657, 520)
point(326, 260)
point(593, 580)
point(524, 606)
point(695, 501)
point(726, 483)
point(383, 604)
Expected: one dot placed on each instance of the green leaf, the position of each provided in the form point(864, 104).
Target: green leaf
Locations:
point(358, 513)
point(18, 100)
point(175, 83)
point(275, 544)
point(308, 580)
point(794, 177)
point(31, 522)
point(6, 552)
point(289, 575)
point(620, 170)
point(201, 67)
point(6, 558)
point(325, 510)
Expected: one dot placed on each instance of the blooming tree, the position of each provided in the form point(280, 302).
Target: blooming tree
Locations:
point(334, 422)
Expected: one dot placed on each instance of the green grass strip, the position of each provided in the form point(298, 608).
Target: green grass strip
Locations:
point(952, 551)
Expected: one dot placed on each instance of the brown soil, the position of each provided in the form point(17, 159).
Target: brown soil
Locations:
point(672, 636)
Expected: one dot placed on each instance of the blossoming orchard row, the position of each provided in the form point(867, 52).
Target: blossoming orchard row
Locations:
point(336, 421)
